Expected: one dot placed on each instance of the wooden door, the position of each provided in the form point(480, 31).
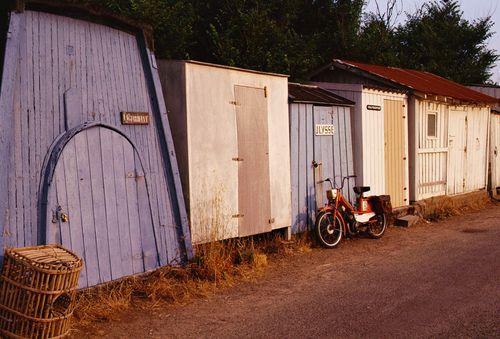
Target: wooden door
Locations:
point(98, 206)
point(394, 151)
point(254, 197)
point(457, 152)
point(494, 153)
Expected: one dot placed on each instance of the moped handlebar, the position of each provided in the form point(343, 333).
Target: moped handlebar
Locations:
point(332, 182)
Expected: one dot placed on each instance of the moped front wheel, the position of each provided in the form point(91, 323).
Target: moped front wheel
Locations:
point(328, 229)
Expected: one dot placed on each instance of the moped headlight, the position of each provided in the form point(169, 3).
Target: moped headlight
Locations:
point(331, 194)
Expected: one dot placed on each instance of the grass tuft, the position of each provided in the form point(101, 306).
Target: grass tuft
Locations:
point(217, 265)
point(440, 208)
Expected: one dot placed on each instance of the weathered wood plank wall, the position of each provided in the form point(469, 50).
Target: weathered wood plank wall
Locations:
point(62, 72)
point(334, 153)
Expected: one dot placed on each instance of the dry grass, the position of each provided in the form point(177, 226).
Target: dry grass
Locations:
point(217, 265)
point(439, 208)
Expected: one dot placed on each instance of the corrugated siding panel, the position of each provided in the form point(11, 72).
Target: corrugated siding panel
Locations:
point(71, 71)
point(333, 152)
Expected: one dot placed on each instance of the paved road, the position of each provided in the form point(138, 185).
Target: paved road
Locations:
point(440, 279)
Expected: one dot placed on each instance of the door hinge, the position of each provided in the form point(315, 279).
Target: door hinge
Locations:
point(271, 221)
point(237, 159)
point(237, 216)
point(265, 91)
point(235, 103)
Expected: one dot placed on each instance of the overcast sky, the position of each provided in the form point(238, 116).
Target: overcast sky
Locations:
point(472, 9)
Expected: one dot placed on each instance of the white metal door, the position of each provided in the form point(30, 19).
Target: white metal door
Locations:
point(457, 154)
point(494, 155)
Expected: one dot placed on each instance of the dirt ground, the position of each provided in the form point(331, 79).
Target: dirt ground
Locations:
point(440, 279)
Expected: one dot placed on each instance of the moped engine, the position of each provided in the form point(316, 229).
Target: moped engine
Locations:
point(364, 218)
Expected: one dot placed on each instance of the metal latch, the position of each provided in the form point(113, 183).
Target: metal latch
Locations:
point(59, 215)
point(237, 159)
point(237, 216)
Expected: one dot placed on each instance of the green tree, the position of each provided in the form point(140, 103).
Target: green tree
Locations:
point(377, 42)
point(438, 39)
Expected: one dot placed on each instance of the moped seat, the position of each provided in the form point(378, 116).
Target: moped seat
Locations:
point(361, 189)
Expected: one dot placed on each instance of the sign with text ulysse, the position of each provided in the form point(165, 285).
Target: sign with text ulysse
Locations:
point(135, 118)
point(322, 129)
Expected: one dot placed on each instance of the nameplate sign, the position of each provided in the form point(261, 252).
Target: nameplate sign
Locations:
point(135, 118)
point(374, 107)
point(321, 129)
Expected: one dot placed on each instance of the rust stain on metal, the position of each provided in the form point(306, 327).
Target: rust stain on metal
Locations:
point(424, 82)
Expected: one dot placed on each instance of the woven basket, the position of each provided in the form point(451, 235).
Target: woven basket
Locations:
point(37, 291)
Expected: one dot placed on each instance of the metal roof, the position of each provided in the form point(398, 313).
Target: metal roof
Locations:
point(315, 95)
point(421, 81)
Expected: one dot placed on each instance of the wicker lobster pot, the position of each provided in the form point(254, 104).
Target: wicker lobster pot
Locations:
point(37, 291)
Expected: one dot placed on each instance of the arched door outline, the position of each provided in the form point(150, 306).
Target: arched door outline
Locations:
point(49, 170)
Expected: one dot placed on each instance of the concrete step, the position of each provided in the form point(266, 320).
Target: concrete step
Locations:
point(407, 220)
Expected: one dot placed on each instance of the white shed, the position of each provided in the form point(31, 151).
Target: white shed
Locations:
point(494, 91)
point(447, 125)
point(230, 130)
point(380, 138)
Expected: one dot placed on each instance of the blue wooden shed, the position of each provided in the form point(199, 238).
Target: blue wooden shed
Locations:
point(320, 146)
point(87, 155)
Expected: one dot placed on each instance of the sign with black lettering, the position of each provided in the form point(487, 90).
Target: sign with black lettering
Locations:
point(135, 118)
point(321, 129)
point(374, 107)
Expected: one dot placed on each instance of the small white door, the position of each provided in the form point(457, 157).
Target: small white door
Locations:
point(494, 155)
point(457, 152)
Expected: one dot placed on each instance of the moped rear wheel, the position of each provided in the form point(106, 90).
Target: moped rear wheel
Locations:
point(377, 229)
point(328, 229)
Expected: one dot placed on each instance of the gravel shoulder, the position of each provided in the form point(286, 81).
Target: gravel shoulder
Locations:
point(438, 279)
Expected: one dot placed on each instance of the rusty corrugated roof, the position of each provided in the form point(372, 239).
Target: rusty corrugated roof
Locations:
point(315, 95)
point(424, 82)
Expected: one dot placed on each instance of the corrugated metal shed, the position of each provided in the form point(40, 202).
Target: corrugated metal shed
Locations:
point(311, 108)
point(447, 125)
point(72, 171)
point(380, 149)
